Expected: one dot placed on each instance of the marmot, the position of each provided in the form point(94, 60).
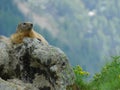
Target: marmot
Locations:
point(26, 30)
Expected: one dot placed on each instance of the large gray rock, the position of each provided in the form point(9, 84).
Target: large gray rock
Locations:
point(15, 84)
point(35, 65)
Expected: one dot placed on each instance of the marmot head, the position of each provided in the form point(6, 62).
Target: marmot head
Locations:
point(25, 26)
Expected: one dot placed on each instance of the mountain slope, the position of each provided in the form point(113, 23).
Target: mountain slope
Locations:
point(87, 31)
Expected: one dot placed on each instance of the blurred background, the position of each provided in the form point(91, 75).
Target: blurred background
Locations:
point(88, 31)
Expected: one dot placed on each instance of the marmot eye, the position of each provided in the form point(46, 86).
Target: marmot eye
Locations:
point(24, 23)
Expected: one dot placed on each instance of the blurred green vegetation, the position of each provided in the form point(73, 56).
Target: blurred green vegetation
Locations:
point(81, 76)
point(107, 79)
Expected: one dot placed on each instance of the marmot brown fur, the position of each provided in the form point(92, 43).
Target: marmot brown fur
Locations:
point(26, 30)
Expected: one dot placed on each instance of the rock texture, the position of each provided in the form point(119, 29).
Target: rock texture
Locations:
point(33, 65)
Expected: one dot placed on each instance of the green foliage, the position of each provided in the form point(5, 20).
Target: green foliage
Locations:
point(80, 77)
point(109, 77)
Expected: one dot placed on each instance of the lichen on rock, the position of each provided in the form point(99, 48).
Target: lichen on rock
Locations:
point(44, 67)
